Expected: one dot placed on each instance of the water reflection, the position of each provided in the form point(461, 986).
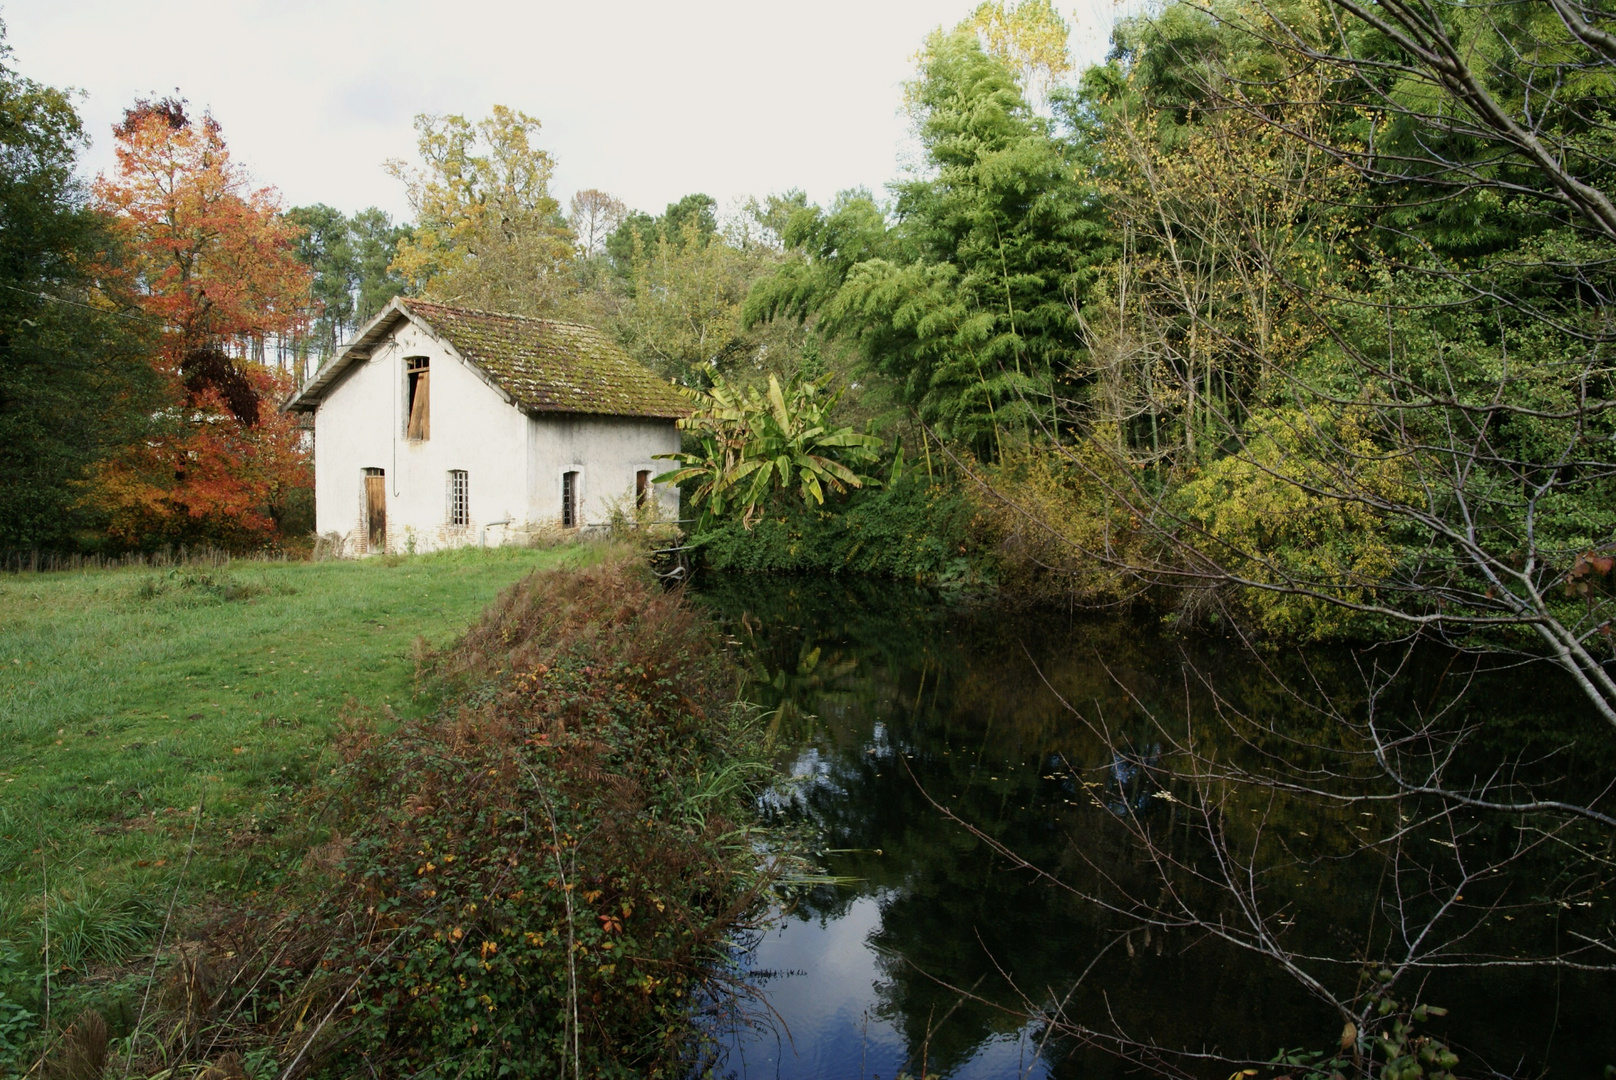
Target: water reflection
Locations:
point(889, 702)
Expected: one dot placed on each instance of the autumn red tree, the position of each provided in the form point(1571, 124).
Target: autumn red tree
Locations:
point(213, 262)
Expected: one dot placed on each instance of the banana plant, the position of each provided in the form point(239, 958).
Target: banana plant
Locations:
point(750, 445)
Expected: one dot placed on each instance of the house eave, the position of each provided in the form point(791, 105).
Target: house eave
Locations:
point(363, 345)
point(358, 350)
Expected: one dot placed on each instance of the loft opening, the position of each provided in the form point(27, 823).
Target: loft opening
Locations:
point(419, 410)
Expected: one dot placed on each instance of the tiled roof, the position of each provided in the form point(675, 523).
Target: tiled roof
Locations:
point(551, 366)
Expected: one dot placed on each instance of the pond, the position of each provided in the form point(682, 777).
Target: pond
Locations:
point(902, 716)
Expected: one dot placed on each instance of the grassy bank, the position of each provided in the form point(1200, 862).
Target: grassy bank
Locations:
point(136, 705)
point(243, 799)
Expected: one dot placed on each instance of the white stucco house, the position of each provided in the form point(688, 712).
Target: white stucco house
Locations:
point(440, 426)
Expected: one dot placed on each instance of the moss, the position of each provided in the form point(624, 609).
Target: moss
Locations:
point(552, 366)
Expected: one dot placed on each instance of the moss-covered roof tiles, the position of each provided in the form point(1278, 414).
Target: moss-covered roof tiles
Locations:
point(551, 366)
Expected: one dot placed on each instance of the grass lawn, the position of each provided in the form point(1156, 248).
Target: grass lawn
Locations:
point(131, 698)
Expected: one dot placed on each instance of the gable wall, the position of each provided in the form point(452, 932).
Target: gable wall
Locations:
point(606, 452)
point(361, 423)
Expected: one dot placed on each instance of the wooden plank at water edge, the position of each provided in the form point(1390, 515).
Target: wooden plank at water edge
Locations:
point(376, 511)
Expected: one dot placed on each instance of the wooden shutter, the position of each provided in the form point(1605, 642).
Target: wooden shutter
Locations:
point(420, 426)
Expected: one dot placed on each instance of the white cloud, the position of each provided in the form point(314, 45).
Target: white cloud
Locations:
point(647, 100)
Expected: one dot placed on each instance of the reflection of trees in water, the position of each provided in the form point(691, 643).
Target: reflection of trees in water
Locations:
point(871, 684)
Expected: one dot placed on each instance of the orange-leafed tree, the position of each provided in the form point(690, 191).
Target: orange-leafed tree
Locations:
point(212, 261)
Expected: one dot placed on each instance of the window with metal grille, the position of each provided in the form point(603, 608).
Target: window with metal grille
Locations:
point(419, 422)
point(459, 497)
point(569, 500)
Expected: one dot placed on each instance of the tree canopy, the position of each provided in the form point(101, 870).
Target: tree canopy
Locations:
point(214, 265)
point(487, 232)
point(71, 386)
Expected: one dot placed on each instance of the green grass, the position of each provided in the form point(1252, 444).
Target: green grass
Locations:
point(129, 698)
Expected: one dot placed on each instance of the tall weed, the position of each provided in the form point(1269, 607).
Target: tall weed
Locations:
point(190, 587)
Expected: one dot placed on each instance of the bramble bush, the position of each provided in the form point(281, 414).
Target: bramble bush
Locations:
point(553, 862)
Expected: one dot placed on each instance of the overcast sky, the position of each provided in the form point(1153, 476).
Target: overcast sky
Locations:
point(646, 100)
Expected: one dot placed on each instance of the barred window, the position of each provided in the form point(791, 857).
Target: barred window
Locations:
point(569, 500)
point(459, 497)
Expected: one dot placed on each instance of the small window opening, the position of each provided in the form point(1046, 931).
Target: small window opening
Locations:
point(642, 488)
point(459, 498)
point(375, 510)
point(419, 425)
point(569, 500)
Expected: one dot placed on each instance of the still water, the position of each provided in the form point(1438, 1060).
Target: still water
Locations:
point(889, 703)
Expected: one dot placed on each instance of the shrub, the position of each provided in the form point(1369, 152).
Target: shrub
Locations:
point(1055, 530)
point(1275, 514)
point(912, 529)
point(547, 872)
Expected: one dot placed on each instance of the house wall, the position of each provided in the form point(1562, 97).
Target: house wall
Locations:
point(514, 461)
point(606, 452)
point(361, 424)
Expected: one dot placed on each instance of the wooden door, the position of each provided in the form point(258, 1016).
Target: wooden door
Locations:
point(376, 511)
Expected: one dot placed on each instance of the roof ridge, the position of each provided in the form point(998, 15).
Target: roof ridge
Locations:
point(408, 300)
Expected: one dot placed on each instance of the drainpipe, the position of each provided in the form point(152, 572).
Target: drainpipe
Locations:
point(393, 480)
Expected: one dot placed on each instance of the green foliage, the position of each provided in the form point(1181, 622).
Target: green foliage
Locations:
point(752, 446)
point(72, 384)
point(189, 587)
point(633, 747)
point(1273, 517)
point(1326, 380)
point(18, 990)
point(487, 234)
point(1393, 1036)
point(677, 302)
point(690, 222)
point(373, 244)
point(965, 299)
point(90, 927)
point(350, 258)
point(1057, 531)
point(824, 245)
point(912, 529)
